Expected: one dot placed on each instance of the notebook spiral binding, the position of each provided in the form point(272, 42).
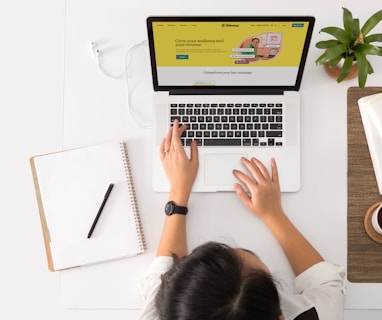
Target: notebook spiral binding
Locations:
point(134, 202)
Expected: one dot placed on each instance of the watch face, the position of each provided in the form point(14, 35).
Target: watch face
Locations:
point(172, 208)
point(169, 208)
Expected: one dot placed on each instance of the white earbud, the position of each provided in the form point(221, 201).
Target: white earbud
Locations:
point(95, 51)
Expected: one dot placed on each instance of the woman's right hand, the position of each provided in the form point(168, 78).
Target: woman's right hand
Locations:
point(259, 191)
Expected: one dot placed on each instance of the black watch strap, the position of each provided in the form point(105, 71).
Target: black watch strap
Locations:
point(171, 208)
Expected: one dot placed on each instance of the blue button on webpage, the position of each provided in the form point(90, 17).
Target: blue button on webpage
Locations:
point(182, 56)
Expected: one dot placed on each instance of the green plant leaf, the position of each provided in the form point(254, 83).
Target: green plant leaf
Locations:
point(346, 68)
point(373, 37)
point(355, 29)
point(326, 44)
point(366, 49)
point(370, 69)
point(348, 20)
point(332, 53)
point(333, 62)
point(340, 34)
point(363, 68)
point(371, 22)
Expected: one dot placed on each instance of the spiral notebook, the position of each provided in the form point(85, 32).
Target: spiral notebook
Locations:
point(70, 188)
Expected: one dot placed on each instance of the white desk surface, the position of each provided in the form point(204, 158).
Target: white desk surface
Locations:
point(51, 100)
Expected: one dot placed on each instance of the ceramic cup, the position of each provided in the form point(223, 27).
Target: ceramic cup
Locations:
point(376, 219)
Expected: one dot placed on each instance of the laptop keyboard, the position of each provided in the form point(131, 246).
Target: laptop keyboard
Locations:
point(230, 124)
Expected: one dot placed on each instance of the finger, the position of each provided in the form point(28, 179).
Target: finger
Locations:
point(275, 171)
point(161, 149)
point(243, 196)
point(167, 143)
point(253, 169)
point(183, 128)
point(176, 133)
point(194, 156)
point(264, 171)
point(245, 179)
point(179, 128)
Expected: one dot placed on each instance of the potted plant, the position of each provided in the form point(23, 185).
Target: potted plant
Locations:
point(351, 46)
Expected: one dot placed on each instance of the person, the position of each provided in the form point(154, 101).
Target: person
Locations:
point(216, 281)
point(253, 45)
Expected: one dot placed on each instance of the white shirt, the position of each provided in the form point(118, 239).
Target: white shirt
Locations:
point(322, 286)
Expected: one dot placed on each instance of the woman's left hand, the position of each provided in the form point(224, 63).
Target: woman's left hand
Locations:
point(180, 170)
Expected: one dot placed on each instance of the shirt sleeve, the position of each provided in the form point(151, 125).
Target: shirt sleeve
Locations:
point(324, 285)
point(150, 284)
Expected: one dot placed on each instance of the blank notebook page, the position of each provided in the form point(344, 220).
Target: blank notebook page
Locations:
point(72, 186)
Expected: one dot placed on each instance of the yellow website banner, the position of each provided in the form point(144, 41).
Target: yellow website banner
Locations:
point(229, 43)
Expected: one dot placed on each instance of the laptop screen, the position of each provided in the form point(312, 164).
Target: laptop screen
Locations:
point(229, 52)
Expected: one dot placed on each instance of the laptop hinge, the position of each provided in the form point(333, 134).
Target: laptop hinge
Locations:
point(230, 91)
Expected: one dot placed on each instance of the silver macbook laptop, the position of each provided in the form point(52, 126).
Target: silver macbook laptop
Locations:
point(234, 81)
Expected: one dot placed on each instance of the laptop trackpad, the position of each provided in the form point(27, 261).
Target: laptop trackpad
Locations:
point(218, 169)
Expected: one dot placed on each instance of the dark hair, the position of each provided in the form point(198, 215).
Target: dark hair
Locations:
point(214, 283)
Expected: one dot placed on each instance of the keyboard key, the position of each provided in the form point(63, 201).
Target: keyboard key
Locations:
point(222, 142)
point(274, 134)
point(276, 126)
point(246, 142)
point(255, 142)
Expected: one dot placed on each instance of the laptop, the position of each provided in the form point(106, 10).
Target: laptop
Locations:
point(234, 81)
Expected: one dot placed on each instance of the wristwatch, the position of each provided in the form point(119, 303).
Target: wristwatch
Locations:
point(171, 208)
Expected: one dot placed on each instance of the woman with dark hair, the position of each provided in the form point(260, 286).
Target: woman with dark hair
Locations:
point(218, 282)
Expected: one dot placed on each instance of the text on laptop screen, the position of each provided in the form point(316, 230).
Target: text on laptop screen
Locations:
point(221, 53)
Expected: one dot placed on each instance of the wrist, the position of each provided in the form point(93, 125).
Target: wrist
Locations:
point(275, 219)
point(179, 198)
